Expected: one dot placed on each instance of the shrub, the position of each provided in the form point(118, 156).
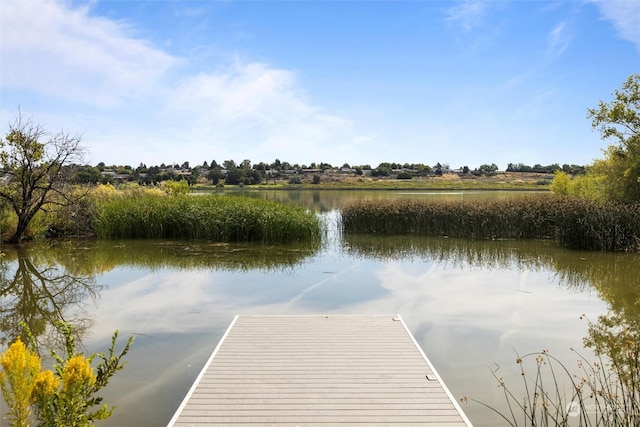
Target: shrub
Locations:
point(175, 188)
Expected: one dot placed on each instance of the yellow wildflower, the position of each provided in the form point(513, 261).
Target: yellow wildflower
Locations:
point(46, 383)
point(19, 370)
point(18, 358)
point(103, 191)
point(77, 371)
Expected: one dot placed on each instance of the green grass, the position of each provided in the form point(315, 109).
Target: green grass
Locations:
point(572, 222)
point(216, 218)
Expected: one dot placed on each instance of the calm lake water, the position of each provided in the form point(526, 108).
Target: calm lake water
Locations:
point(472, 305)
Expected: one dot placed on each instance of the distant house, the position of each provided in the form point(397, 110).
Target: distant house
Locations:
point(397, 171)
point(110, 173)
point(308, 171)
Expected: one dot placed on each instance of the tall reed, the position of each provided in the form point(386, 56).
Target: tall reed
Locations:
point(214, 217)
point(550, 394)
point(572, 222)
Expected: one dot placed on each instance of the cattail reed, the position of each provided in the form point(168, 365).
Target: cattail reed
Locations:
point(216, 218)
point(572, 222)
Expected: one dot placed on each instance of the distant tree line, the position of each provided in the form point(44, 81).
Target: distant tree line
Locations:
point(246, 173)
point(568, 169)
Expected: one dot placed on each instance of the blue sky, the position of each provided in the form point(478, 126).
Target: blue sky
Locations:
point(358, 82)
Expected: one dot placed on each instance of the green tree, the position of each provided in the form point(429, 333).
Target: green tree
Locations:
point(233, 177)
point(255, 176)
point(380, 171)
point(33, 161)
point(84, 174)
point(619, 120)
point(488, 169)
point(215, 175)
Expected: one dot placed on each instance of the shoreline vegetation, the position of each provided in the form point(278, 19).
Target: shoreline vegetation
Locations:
point(212, 217)
point(572, 222)
point(169, 212)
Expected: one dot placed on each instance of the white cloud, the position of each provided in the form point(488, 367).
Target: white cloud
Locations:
point(70, 55)
point(249, 110)
point(244, 90)
point(467, 14)
point(625, 16)
point(558, 40)
point(259, 108)
point(137, 103)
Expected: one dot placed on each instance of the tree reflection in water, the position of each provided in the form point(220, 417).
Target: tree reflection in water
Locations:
point(41, 285)
point(616, 336)
point(37, 291)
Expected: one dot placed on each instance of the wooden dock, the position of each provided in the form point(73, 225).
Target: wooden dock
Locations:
point(318, 370)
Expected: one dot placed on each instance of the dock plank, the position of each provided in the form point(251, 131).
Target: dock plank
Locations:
point(318, 370)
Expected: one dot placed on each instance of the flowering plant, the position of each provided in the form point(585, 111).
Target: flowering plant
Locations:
point(64, 397)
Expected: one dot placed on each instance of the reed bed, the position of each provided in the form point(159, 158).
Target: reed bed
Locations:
point(215, 218)
point(572, 222)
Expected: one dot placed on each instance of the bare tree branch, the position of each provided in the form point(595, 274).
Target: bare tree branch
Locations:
point(33, 162)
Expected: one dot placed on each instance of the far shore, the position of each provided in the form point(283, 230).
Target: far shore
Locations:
point(501, 181)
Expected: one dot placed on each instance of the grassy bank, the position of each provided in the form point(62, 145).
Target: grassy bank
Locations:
point(574, 223)
point(216, 218)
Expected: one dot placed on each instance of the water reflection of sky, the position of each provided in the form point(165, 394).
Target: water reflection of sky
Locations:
point(467, 319)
